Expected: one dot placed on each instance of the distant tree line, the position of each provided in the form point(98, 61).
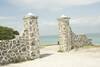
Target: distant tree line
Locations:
point(7, 33)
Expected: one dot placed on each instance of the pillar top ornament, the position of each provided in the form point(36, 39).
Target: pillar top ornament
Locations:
point(30, 15)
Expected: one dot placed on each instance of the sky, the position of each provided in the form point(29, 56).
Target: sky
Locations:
point(84, 14)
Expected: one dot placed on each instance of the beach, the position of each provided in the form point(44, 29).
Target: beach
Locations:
point(83, 57)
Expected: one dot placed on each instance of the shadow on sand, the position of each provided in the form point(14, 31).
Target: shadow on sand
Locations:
point(45, 55)
point(41, 56)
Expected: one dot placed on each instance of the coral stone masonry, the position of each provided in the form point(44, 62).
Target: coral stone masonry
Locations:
point(68, 39)
point(22, 48)
point(26, 46)
point(64, 33)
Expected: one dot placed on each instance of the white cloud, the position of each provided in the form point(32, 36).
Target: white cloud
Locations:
point(86, 24)
point(91, 20)
point(11, 21)
point(83, 24)
point(51, 4)
point(50, 23)
point(6, 18)
point(48, 28)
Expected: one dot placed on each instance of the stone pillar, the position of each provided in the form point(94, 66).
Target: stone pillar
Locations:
point(64, 34)
point(31, 34)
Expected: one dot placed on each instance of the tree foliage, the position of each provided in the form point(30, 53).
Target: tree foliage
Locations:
point(7, 33)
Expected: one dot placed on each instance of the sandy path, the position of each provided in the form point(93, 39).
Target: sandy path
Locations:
point(50, 58)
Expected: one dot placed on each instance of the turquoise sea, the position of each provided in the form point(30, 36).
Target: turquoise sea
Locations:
point(47, 40)
point(95, 38)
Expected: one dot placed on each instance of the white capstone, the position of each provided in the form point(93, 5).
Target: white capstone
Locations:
point(30, 14)
point(63, 16)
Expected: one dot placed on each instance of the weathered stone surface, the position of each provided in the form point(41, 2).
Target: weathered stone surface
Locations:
point(67, 39)
point(64, 34)
point(21, 48)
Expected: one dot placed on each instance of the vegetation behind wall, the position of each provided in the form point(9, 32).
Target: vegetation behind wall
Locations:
point(7, 33)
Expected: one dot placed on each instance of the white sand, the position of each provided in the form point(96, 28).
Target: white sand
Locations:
point(50, 58)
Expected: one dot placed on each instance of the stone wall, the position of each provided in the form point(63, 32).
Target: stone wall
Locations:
point(26, 46)
point(67, 38)
point(64, 34)
point(80, 40)
point(22, 48)
point(15, 50)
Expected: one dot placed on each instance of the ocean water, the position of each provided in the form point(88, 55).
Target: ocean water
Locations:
point(95, 38)
point(47, 40)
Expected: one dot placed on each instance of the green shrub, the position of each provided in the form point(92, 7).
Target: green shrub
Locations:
point(7, 33)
